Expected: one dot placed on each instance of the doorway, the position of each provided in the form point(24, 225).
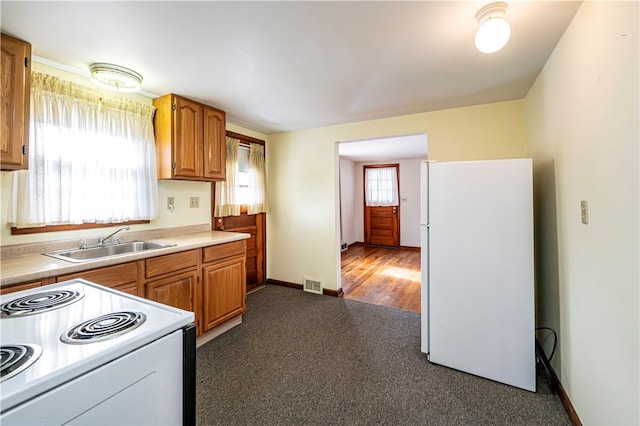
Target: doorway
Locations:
point(381, 205)
point(388, 276)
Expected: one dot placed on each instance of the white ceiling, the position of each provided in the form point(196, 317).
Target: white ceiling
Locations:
point(281, 66)
point(395, 148)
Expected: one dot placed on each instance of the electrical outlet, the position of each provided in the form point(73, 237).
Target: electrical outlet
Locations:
point(584, 211)
point(170, 203)
point(194, 202)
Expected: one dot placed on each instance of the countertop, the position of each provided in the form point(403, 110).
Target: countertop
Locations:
point(34, 267)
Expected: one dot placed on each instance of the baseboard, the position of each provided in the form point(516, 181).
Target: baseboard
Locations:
point(573, 416)
point(325, 291)
point(217, 331)
point(360, 243)
point(284, 283)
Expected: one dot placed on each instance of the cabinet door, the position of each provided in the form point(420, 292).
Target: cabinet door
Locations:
point(224, 291)
point(215, 150)
point(14, 101)
point(177, 290)
point(188, 147)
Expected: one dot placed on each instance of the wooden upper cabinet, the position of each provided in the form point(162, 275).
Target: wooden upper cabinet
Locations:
point(190, 139)
point(14, 95)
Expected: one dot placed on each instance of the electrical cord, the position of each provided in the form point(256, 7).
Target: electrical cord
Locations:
point(555, 341)
point(542, 357)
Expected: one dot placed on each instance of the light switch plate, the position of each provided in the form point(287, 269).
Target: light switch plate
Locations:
point(584, 211)
point(194, 202)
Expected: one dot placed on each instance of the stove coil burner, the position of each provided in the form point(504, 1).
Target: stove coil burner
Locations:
point(16, 358)
point(39, 302)
point(104, 327)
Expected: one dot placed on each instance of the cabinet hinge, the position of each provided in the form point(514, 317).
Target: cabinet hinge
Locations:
point(26, 62)
point(173, 165)
point(174, 107)
point(24, 150)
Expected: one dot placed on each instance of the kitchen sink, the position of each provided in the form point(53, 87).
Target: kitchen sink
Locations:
point(100, 252)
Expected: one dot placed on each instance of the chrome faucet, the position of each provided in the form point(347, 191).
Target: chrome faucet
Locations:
point(101, 240)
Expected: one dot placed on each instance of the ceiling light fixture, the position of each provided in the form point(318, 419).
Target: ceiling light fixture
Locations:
point(115, 77)
point(494, 31)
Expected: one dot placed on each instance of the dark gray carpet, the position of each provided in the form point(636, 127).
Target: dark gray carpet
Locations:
point(301, 358)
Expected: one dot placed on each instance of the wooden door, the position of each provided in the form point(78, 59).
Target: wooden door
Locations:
point(214, 141)
point(382, 226)
point(382, 223)
point(255, 257)
point(14, 97)
point(188, 149)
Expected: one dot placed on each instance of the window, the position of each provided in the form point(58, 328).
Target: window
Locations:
point(245, 185)
point(381, 186)
point(244, 195)
point(91, 159)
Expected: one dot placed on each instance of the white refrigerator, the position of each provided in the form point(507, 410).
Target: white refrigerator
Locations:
point(477, 268)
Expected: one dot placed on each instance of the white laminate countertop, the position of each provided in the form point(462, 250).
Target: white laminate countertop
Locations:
point(38, 266)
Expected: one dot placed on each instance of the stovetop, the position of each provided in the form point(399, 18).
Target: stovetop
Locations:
point(60, 336)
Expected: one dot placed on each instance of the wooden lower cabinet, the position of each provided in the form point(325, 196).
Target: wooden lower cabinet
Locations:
point(253, 225)
point(210, 282)
point(177, 290)
point(123, 277)
point(224, 291)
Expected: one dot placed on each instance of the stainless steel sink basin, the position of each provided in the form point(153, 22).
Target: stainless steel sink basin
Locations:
point(95, 253)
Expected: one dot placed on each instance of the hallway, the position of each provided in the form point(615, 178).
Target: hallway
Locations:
point(382, 276)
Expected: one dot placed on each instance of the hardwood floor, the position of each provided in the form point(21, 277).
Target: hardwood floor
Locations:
point(382, 276)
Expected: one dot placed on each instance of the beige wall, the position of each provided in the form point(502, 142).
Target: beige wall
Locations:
point(582, 118)
point(182, 215)
point(302, 224)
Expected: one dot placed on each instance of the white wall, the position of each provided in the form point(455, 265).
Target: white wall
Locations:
point(409, 200)
point(348, 202)
point(303, 225)
point(583, 133)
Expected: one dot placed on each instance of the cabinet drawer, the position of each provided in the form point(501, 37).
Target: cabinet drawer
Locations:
point(111, 276)
point(170, 263)
point(20, 287)
point(222, 251)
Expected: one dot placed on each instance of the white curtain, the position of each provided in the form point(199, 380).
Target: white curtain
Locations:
point(240, 189)
point(91, 158)
point(381, 186)
point(257, 181)
point(226, 203)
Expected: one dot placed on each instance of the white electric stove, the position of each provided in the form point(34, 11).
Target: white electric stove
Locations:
point(79, 353)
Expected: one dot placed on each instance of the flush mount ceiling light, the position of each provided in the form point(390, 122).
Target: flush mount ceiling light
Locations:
point(494, 31)
point(115, 77)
